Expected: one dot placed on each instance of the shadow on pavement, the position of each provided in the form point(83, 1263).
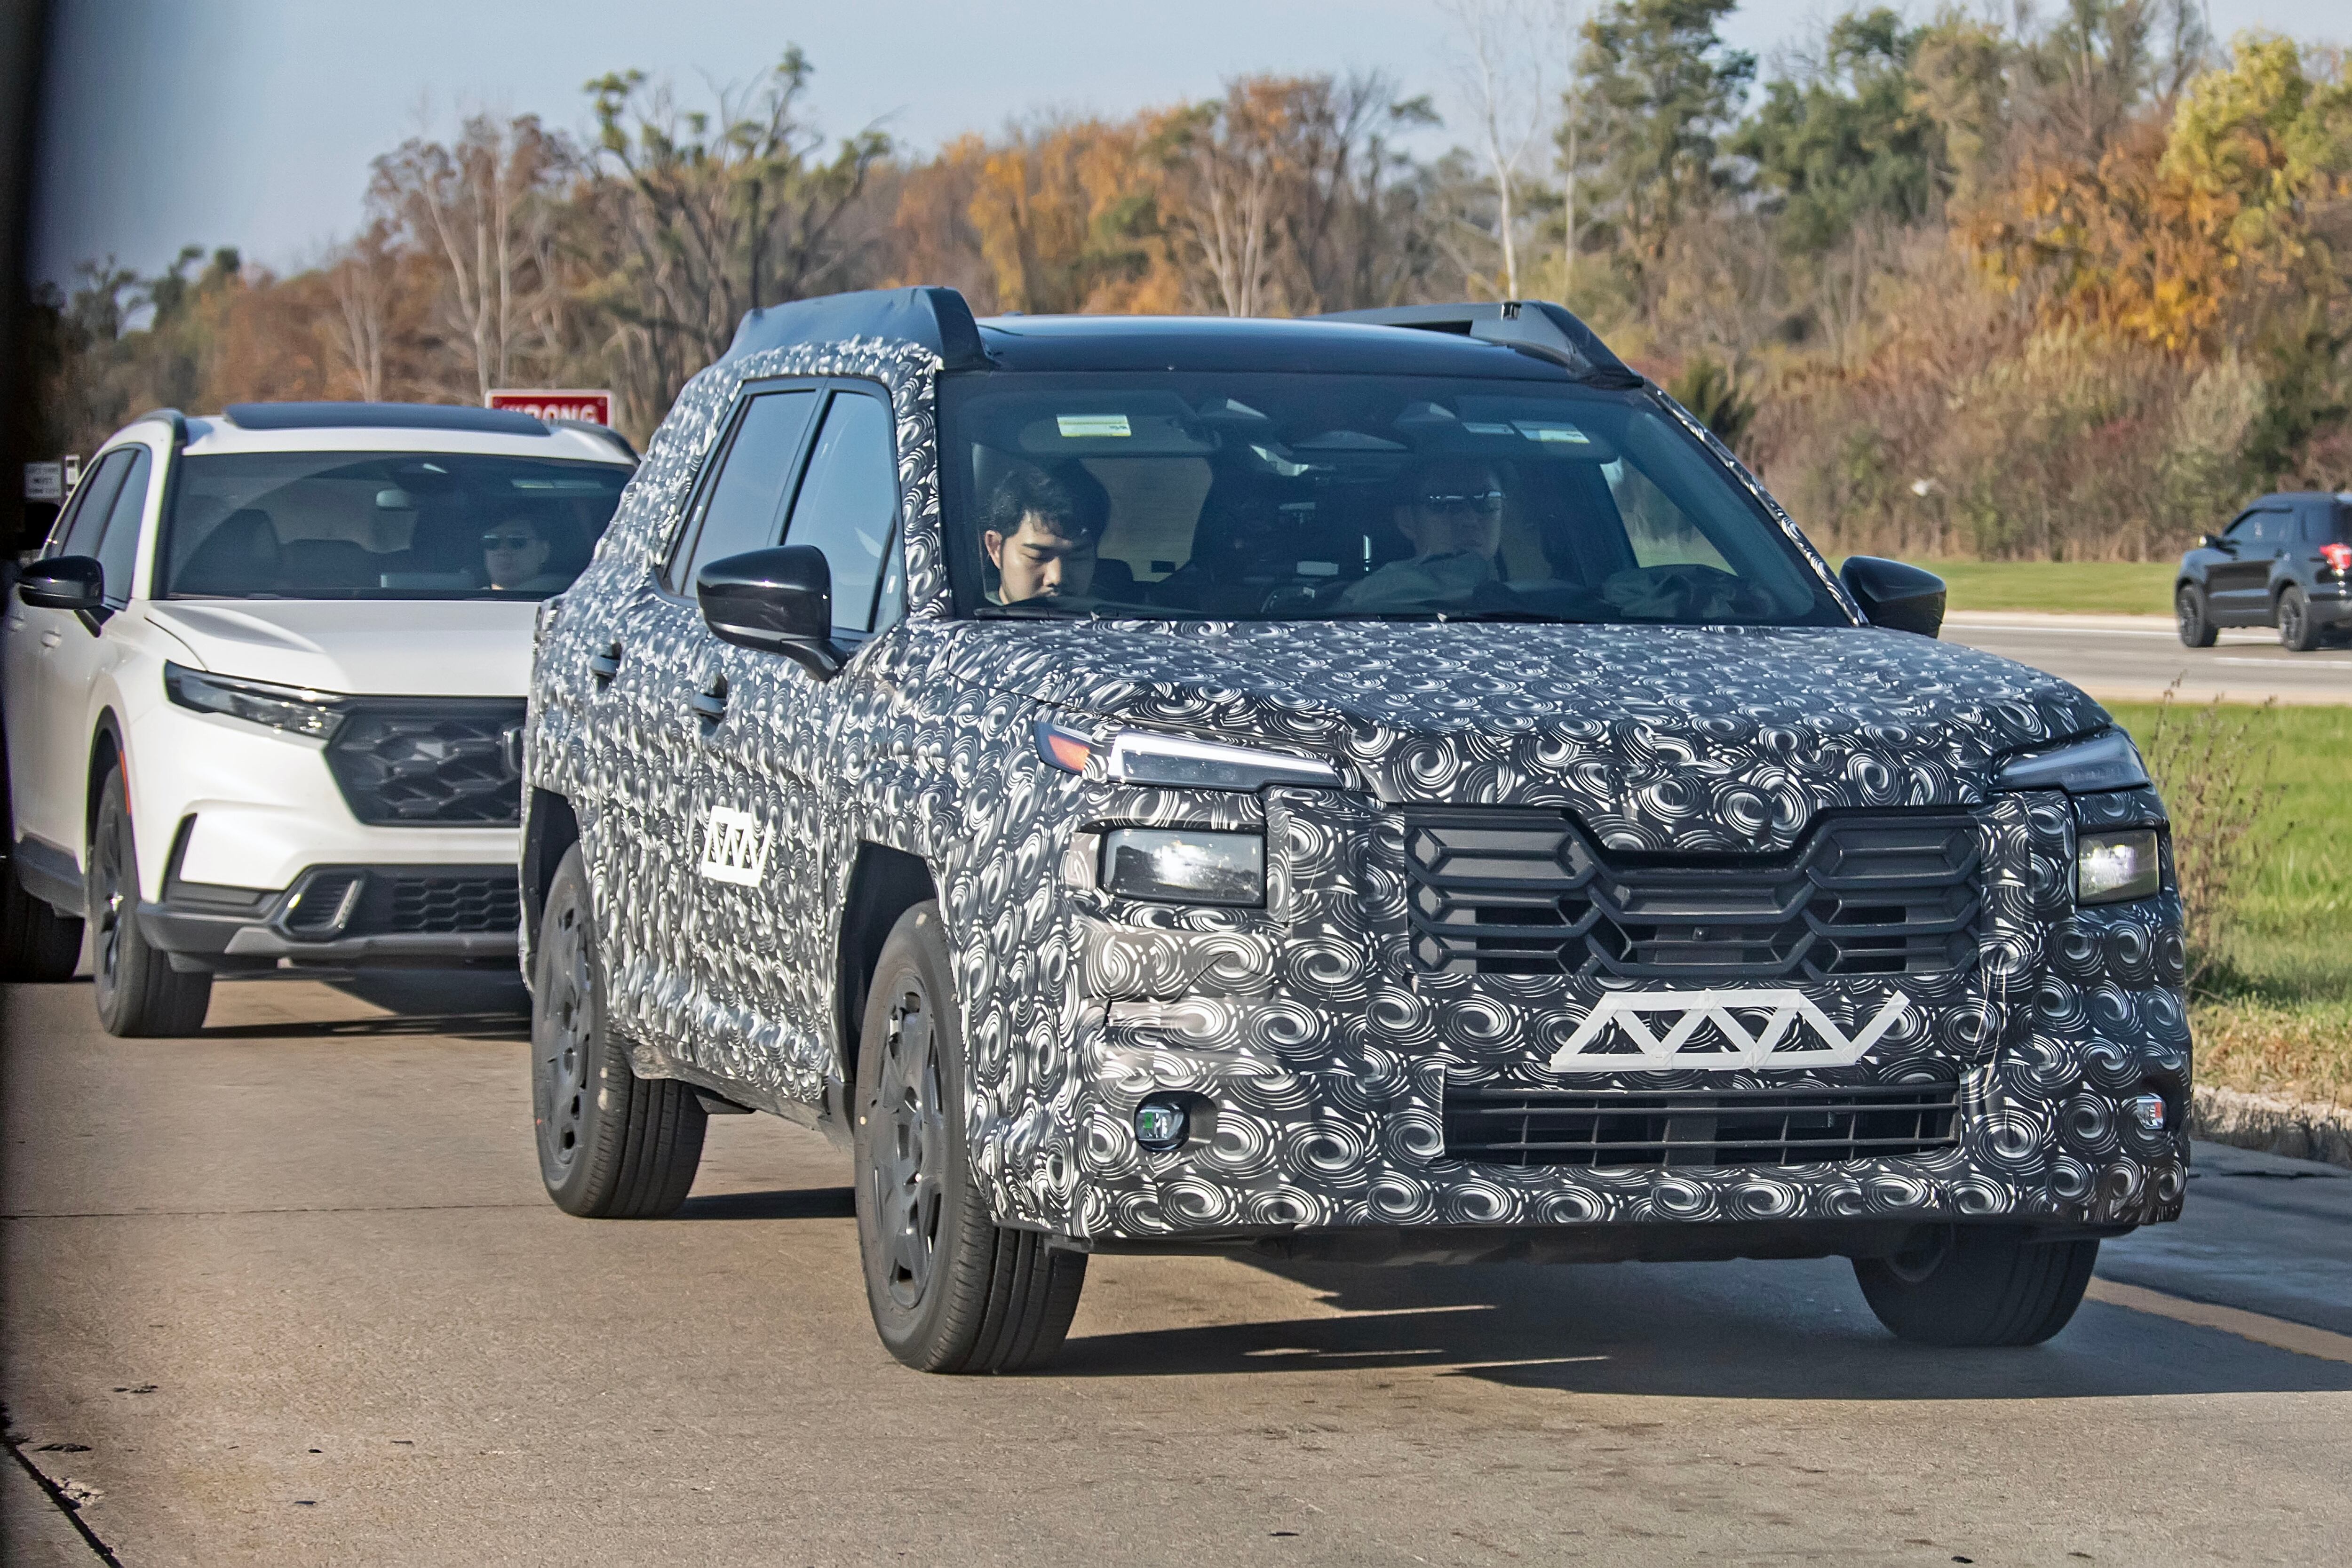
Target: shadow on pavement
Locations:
point(1694, 1330)
point(786, 1203)
point(461, 1005)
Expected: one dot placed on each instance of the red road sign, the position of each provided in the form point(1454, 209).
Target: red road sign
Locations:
point(573, 403)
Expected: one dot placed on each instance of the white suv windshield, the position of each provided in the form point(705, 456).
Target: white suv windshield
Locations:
point(381, 525)
point(1254, 496)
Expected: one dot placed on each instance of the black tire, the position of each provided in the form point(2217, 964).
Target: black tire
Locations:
point(36, 942)
point(2188, 612)
point(612, 1145)
point(951, 1291)
point(1978, 1286)
point(2296, 634)
point(138, 992)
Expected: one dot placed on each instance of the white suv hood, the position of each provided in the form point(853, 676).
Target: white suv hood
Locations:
point(447, 648)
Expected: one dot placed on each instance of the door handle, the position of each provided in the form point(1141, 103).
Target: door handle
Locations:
point(49, 640)
point(605, 664)
point(710, 706)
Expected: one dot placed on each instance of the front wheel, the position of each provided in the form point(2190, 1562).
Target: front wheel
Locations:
point(612, 1145)
point(2296, 632)
point(1978, 1286)
point(2196, 622)
point(139, 992)
point(951, 1291)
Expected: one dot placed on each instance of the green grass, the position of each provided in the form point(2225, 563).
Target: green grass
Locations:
point(2279, 1017)
point(2068, 587)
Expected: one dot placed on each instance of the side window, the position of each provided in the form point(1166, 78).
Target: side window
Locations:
point(93, 498)
point(748, 498)
point(118, 547)
point(2245, 530)
point(848, 505)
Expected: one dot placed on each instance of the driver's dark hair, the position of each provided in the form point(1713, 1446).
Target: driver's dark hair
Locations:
point(1067, 496)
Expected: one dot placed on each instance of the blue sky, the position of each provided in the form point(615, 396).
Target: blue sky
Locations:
point(251, 123)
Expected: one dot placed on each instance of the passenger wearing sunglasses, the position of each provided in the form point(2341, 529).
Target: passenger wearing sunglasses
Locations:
point(514, 558)
point(1453, 518)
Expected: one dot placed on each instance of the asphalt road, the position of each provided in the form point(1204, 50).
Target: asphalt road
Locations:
point(288, 1292)
point(2132, 658)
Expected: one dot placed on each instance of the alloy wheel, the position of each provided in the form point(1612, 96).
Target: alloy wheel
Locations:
point(106, 869)
point(559, 1083)
point(909, 1147)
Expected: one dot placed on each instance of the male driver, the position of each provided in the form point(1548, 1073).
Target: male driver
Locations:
point(1041, 529)
point(514, 558)
point(1453, 518)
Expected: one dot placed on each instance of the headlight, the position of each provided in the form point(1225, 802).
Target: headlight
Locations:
point(2110, 867)
point(1177, 761)
point(2105, 761)
point(318, 714)
point(1184, 866)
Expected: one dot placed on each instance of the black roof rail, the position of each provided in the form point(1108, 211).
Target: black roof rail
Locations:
point(590, 427)
point(170, 416)
point(1536, 327)
point(936, 318)
point(383, 416)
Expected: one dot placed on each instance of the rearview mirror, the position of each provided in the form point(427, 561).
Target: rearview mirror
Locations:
point(65, 583)
point(778, 601)
point(1900, 598)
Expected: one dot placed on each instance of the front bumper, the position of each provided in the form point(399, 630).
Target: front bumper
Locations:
point(343, 917)
point(1319, 1065)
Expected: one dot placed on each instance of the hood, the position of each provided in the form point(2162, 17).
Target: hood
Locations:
point(416, 647)
point(1664, 737)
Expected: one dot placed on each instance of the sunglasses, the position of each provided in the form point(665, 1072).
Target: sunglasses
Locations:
point(1486, 503)
point(507, 540)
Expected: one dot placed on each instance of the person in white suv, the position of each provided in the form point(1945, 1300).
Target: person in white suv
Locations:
point(265, 694)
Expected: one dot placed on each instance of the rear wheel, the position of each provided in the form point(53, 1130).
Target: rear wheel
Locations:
point(139, 992)
point(36, 942)
point(612, 1145)
point(951, 1289)
point(2196, 623)
point(1978, 1286)
point(2294, 628)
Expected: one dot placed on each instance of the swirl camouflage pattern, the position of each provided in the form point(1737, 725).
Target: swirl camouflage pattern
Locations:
point(1325, 1042)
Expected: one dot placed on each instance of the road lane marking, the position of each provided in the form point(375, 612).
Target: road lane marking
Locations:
point(2289, 661)
point(2276, 1333)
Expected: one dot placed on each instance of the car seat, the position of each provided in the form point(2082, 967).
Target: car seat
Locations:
point(240, 555)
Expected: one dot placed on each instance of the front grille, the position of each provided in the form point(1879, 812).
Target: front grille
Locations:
point(430, 760)
point(339, 901)
point(1729, 1127)
point(1514, 891)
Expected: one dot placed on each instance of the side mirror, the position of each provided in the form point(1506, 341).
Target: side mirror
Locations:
point(2215, 541)
point(778, 601)
point(1900, 598)
point(65, 583)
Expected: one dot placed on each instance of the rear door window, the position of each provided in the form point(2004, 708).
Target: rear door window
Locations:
point(118, 545)
point(746, 503)
point(848, 504)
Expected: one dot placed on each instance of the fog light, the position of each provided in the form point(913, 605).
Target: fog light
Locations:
point(1160, 1124)
point(2147, 1110)
point(2110, 867)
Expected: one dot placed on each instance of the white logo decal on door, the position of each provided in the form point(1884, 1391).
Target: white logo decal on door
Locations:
point(1710, 1030)
point(734, 846)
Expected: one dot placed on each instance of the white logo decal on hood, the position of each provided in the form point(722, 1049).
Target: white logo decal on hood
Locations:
point(1750, 1029)
point(734, 846)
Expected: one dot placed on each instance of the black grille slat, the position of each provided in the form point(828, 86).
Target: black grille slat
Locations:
point(1513, 892)
point(1502, 1126)
point(429, 761)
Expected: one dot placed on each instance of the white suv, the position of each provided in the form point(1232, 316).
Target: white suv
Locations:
point(265, 694)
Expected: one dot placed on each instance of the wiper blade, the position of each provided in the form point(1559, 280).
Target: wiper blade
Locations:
point(1030, 611)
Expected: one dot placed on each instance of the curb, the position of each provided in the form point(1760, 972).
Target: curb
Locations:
point(2297, 1129)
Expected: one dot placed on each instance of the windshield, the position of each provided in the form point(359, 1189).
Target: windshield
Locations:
point(383, 525)
point(1237, 496)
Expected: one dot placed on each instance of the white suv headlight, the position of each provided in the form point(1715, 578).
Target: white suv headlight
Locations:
point(296, 710)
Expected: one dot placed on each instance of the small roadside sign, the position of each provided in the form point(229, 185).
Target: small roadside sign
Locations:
point(44, 482)
point(555, 402)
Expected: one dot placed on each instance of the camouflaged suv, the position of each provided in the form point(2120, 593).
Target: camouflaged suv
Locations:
point(1390, 787)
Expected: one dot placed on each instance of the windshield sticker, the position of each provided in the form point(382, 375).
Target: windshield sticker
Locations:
point(734, 847)
point(1535, 430)
point(1092, 426)
point(1476, 429)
